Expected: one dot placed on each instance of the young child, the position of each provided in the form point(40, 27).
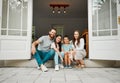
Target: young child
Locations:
point(67, 49)
point(58, 58)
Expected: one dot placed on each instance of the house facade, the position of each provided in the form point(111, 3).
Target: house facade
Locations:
point(16, 26)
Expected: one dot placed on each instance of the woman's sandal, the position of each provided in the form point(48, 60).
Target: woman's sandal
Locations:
point(78, 66)
point(82, 65)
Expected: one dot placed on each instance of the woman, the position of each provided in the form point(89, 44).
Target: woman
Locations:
point(58, 58)
point(78, 49)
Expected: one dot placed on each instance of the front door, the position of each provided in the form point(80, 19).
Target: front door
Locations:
point(104, 29)
point(15, 29)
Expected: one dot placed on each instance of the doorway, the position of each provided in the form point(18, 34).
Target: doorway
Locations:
point(75, 18)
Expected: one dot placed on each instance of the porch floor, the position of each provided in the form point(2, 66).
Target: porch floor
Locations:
point(33, 75)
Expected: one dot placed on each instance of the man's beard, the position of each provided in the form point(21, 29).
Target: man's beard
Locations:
point(51, 36)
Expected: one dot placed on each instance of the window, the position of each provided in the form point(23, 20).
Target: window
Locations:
point(104, 14)
point(59, 28)
point(14, 18)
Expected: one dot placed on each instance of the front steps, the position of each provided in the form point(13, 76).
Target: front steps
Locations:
point(50, 63)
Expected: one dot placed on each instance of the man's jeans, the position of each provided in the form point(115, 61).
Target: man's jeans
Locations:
point(43, 56)
point(57, 59)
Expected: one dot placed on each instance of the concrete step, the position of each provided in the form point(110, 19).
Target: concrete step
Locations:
point(50, 63)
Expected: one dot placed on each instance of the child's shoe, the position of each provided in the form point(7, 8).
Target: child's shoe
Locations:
point(56, 67)
point(66, 66)
point(61, 66)
point(70, 67)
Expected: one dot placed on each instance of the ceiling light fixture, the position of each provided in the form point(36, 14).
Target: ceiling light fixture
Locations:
point(59, 6)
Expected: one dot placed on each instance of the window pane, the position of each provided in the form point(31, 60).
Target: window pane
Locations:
point(104, 12)
point(14, 32)
point(104, 15)
point(114, 14)
point(4, 14)
point(94, 33)
point(104, 33)
point(24, 33)
point(24, 17)
point(94, 20)
point(3, 32)
point(115, 32)
point(14, 17)
point(59, 28)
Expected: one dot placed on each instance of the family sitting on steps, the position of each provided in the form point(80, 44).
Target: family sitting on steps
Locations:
point(63, 50)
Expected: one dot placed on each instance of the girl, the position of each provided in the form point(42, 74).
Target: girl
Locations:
point(79, 51)
point(67, 49)
point(56, 45)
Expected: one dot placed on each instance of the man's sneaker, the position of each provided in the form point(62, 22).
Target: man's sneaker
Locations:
point(56, 67)
point(61, 66)
point(43, 68)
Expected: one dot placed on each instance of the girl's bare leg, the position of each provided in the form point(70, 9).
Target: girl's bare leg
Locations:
point(69, 61)
point(65, 59)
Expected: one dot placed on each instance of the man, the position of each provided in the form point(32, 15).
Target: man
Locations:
point(43, 52)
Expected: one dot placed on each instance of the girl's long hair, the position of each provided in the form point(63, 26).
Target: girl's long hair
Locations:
point(78, 39)
point(59, 44)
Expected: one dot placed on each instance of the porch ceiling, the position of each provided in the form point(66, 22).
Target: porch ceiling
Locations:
point(77, 9)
